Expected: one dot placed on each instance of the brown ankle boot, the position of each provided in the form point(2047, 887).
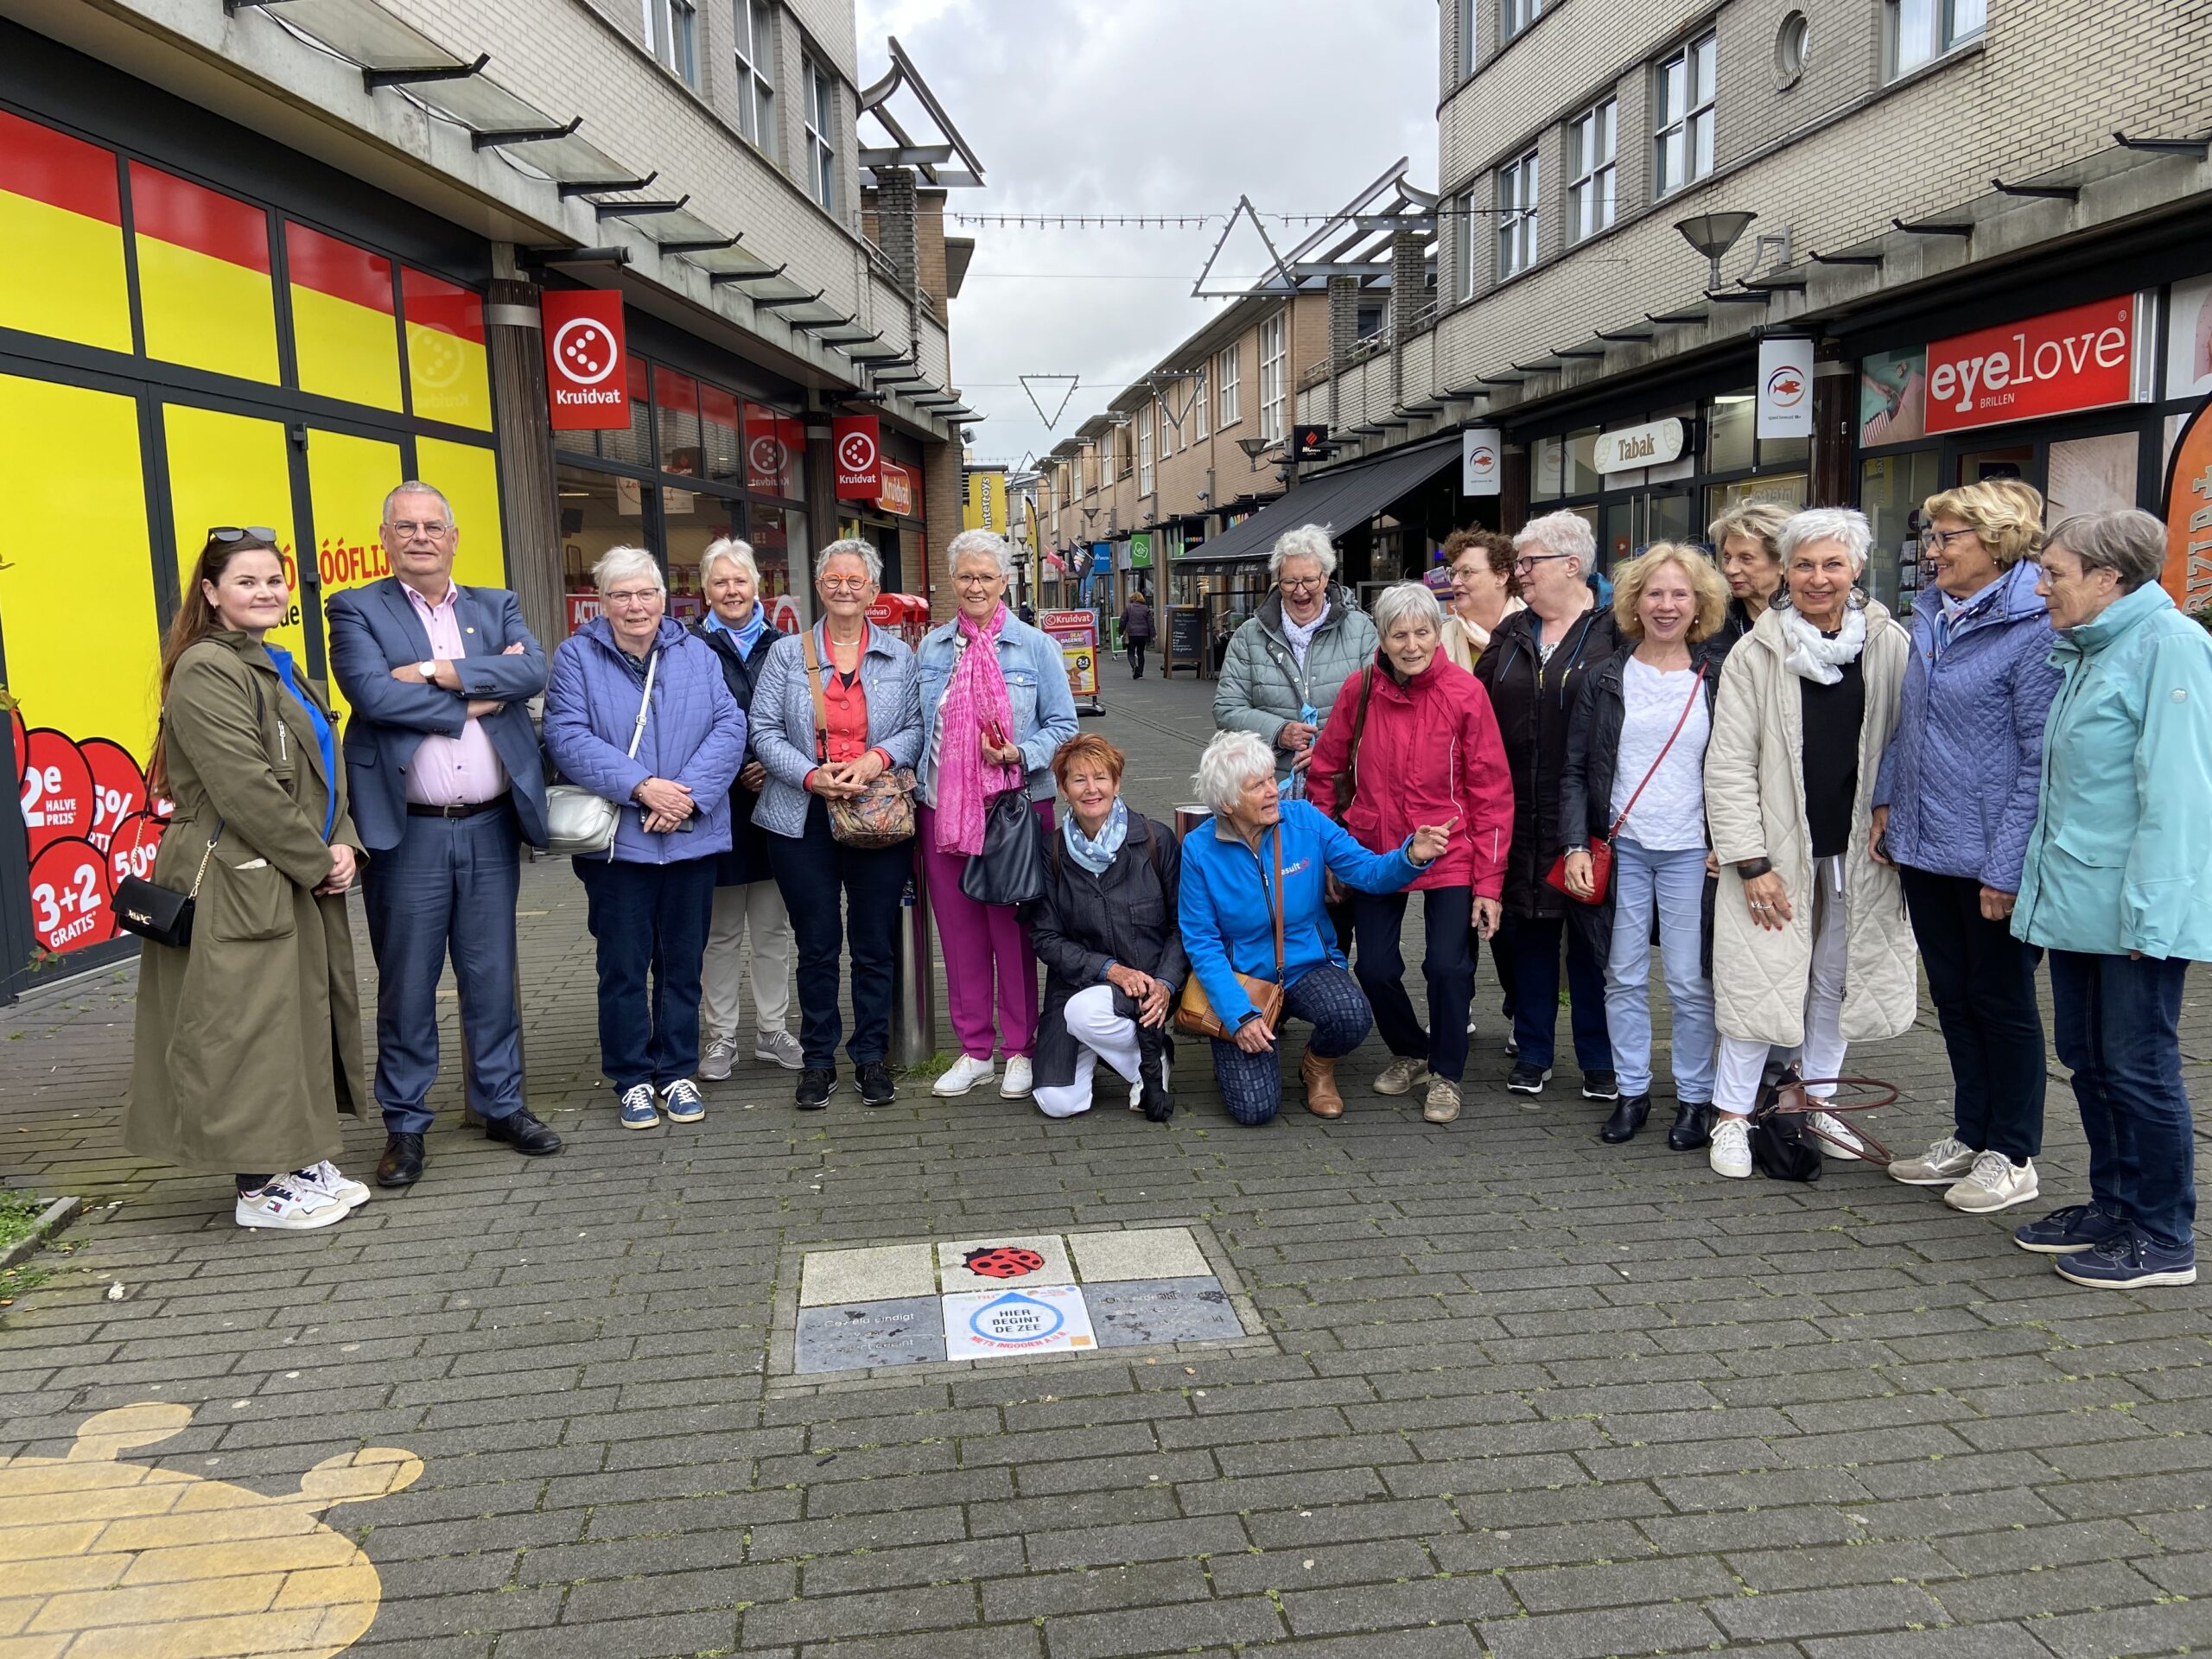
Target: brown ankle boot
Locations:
point(1319, 1076)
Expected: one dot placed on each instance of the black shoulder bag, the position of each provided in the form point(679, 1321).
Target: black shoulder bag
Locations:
point(163, 914)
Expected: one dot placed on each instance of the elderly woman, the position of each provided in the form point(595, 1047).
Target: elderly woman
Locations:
point(1260, 861)
point(1811, 948)
point(871, 723)
point(1748, 542)
point(1635, 773)
point(2117, 885)
point(1952, 807)
point(637, 711)
point(750, 932)
point(1534, 669)
point(1484, 592)
point(1107, 930)
point(1416, 744)
point(1284, 666)
point(995, 705)
point(246, 1043)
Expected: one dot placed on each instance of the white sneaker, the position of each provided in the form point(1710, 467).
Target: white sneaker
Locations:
point(1941, 1165)
point(1730, 1153)
point(290, 1206)
point(1995, 1183)
point(326, 1178)
point(1830, 1124)
point(1016, 1086)
point(1400, 1076)
point(721, 1055)
point(961, 1076)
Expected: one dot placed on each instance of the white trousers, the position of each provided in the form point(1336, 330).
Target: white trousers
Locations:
point(1742, 1059)
point(755, 909)
point(1100, 1034)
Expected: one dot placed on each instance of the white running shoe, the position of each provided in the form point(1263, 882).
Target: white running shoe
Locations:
point(1940, 1166)
point(1830, 1124)
point(1016, 1086)
point(287, 1206)
point(963, 1074)
point(1730, 1153)
point(1995, 1183)
point(715, 1064)
point(326, 1179)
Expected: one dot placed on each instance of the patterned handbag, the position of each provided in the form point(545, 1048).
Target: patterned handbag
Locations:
point(882, 815)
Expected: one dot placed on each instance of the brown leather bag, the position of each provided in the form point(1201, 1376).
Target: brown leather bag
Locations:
point(1789, 1098)
point(1195, 1014)
point(882, 815)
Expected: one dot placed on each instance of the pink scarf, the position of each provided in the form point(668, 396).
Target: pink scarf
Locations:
point(976, 696)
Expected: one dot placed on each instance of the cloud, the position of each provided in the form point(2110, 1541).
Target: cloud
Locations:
point(1153, 107)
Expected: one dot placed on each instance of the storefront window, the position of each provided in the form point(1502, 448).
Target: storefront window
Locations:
point(719, 434)
point(675, 403)
point(1669, 519)
point(775, 449)
point(635, 445)
point(691, 522)
point(1784, 490)
point(1785, 452)
point(1583, 477)
point(1547, 469)
point(1728, 445)
point(778, 540)
point(597, 512)
point(1891, 490)
point(2091, 475)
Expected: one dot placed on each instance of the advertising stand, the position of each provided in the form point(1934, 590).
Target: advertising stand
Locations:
point(1077, 633)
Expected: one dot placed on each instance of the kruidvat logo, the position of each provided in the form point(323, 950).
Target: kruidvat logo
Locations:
point(586, 354)
point(856, 453)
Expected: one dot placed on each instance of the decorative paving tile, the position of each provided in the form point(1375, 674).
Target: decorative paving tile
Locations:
point(866, 1275)
point(1130, 1311)
point(1035, 1319)
point(1141, 1253)
point(858, 1334)
point(1002, 1260)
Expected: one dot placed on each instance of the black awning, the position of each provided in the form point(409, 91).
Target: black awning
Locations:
point(1336, 500)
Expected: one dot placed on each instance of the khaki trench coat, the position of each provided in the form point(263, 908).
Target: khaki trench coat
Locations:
point(247, 1044)
point(1755, 806)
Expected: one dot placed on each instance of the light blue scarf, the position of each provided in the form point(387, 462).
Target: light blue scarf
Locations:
point(1096, 855)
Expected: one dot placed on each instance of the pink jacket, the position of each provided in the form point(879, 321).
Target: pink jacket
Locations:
point(1429, 751)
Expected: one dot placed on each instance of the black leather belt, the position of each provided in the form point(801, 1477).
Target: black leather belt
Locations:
point(464, 809)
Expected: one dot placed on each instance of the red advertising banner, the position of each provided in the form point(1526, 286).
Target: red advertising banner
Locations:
point(586, 379)
point(856, 444)
point(2188, 575)
point(897, 494)
point(2082, 357)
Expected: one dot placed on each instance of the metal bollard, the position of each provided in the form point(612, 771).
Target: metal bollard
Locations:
point(1188, 818)
point(913, 986)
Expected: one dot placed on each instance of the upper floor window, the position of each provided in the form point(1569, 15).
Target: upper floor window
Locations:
point(1461, 220)
point(672, 35)
point(755, 21)
point(820, 135)
point(1195, 409)
point(1591, 171)
point(1144, 450)
point(1922, 30)
point(1517, 216)
point(1463, 46)
point(1683, 115)
point(1273, 359)
point(1228, 395)
point(1514, 15)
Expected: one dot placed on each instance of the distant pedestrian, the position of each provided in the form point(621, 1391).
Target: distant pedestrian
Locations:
point(1137, 630)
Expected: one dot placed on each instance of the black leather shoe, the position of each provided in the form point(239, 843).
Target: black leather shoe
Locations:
point(521, 1129)
point(1628, 1118)
point(1692, 1125)
point(402, 1163)
point(1152, 1071)
point(875, 1083)
point(816, 1084)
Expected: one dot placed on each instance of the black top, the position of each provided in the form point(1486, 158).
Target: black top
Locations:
point(1128, 914)
point(1833, 715)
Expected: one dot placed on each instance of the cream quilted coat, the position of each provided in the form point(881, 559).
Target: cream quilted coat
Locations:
point(1755, 806)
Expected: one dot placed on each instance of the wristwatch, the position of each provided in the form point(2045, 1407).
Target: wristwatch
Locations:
point(1751, 868)
point(427, 671)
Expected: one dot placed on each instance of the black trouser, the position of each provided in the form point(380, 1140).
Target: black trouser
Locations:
point(810, 870)
point(1136, 658)
point(1983, 983)
point(1448, 965)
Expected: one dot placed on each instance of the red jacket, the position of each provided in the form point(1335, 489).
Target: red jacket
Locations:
point(1429, 751)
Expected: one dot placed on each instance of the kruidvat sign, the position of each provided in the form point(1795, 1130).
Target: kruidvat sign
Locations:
point(856, 446)
point(587, 379)
point(2082, 357)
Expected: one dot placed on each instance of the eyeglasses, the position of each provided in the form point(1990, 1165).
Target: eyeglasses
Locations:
point(1300, 584)
point(1935, 541)
point(407, 529)
point(634, 597)
point(845, 584)
point(1529, 561)
point(228, 533)
point(970, 579)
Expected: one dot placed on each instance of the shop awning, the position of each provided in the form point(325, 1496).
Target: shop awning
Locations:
point(1337, 501)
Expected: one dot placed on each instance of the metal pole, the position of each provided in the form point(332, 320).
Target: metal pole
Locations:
point(913, 986)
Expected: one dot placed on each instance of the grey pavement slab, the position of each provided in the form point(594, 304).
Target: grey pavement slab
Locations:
point(866, 1275)
point(1138, 1253)
point(1129, 1311)
point(857, 1334)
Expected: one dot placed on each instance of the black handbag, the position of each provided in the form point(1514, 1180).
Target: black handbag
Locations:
point(1010, 870)
point(159, 913)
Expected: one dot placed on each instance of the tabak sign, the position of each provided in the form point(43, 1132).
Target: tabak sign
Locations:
point(587, 382)
point(2081, 358)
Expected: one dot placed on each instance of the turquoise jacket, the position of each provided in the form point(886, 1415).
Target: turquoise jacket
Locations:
point(2120, 858)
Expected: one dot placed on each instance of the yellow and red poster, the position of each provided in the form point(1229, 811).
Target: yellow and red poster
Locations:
point(62, 222)
point(344, 332)
point(204, 287)
point(448, 374)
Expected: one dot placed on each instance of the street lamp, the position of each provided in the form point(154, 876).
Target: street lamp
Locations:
point(1254, 448)
point(1713, 235)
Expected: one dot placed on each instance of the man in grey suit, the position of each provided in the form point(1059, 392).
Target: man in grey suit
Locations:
point(446, 785)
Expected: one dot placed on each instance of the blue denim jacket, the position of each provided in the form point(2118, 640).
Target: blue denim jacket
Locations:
point(1036, 690)
point(783, 720)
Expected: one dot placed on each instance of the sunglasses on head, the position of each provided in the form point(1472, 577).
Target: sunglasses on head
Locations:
point(228, 533)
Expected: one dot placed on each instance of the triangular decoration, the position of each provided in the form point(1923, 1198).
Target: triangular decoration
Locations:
point(1164, 386)
point(1246, 212)
point(1067, 384)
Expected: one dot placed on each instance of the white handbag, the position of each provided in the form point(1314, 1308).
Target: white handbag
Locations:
point(578, 823)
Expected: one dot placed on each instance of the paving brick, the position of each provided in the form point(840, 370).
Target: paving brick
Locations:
point(1800, 1613)
point(1622, 1584)
point(1589, 1635)
point(822, 1619)
point(1172, 1629)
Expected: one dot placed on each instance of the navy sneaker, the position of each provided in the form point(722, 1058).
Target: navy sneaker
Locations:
point(2127, 1261)
point(2077, 1227)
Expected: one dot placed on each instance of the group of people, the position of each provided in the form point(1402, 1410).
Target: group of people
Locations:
point(1746, 763)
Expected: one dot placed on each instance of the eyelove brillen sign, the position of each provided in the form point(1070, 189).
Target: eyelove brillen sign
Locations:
point(586, 381)
point(2081, 358)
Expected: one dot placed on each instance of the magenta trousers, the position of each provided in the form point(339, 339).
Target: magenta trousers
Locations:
point(985, 951)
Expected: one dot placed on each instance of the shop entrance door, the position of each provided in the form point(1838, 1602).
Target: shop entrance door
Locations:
point(2085, 466)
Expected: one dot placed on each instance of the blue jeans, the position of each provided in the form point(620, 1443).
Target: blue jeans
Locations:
point(1983, 983)
point(648, 918)
point(2115, 1025)
point(1535, 991)
point(810, 868)
point(1674, 885)
point(1448, 965)
point(1251, 1085)
point(448, 888)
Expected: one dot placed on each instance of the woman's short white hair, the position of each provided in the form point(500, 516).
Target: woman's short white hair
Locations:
point(1406, 601)
point(738, 553)
point(852, 547)
point(1842, 525)
point(1567, 533)
point(622, 564)
point(1230, 761)
point(980, 544)
point(1306, 541)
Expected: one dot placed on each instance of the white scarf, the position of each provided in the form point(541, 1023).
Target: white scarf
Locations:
point(1815, 657)
point(1301, 637)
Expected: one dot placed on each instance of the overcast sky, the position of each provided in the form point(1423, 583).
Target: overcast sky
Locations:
point(1143, 106)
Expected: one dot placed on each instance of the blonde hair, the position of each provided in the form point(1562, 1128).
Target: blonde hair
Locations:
point(2005, 512)
point(1632, 578)
point(1760, 520)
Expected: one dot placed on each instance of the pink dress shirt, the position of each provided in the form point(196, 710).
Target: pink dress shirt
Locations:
point(462, 771)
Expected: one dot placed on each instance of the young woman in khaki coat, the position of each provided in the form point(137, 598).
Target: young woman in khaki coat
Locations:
point(248, 1041)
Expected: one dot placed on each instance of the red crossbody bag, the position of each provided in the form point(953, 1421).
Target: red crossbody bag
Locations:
point(1601, 847)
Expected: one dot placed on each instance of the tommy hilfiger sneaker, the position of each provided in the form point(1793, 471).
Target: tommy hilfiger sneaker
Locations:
point(288, 1207)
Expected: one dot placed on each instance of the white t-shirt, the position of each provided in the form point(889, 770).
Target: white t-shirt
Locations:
point(1669, 815)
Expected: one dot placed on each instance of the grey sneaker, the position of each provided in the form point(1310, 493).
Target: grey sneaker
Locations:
point(777, 1048)
point(1442, 1105)
point(1941, 1165)
point(1400, 1076)
point(1995, 1183)
point(715, 1064)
